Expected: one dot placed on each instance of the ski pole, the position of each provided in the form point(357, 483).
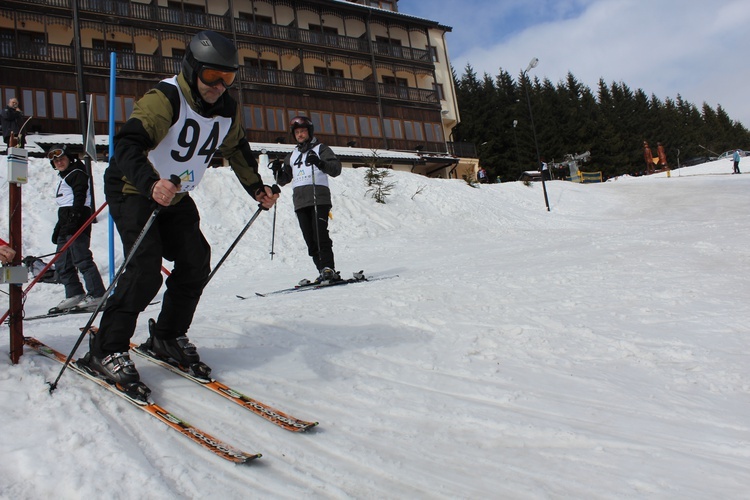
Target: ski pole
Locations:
point(274, 189)
point(315, 209)
point(133, 249)
point(275, 170)
point(273, 231)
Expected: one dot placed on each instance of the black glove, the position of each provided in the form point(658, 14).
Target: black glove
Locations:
point(276, 166)
point(313, 158)
point(71, 221)
point(75, 218)
point(55, 233)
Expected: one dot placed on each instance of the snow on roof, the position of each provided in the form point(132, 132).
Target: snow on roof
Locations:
point(40, 143)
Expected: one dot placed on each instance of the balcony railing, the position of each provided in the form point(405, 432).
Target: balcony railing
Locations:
point(462, 149)
point(154, 12)
point(165, 66)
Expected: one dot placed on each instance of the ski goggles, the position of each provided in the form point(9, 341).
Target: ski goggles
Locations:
point(55, 153)
point(212, 76)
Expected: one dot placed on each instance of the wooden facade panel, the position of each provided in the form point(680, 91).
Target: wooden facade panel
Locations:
point(335, 90)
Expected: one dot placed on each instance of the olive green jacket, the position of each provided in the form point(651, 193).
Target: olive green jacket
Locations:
point(130, 171)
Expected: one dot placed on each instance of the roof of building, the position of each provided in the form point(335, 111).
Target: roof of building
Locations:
point(401, 14)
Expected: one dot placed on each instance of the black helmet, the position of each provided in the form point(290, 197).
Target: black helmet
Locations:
point(302, 122)
point(56, 151)
point(209, 49)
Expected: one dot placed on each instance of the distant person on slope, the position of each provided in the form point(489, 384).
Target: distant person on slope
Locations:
point(73, 198)
point(482, 176)
point(11, 119)
point(308, 168)
point(736, 159)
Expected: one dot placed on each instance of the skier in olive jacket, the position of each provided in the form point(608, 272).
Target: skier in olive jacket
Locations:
point(175, 129)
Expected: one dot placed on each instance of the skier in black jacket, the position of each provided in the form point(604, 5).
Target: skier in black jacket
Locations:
point(74, 199)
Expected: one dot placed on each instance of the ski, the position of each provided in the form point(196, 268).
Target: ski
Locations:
point(72, 310)
point(196, 435)
point(311, 285)
point(58, 313)
point(283, 420)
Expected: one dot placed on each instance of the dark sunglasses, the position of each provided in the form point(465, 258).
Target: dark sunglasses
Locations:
point(55, 153)
point(212, 76)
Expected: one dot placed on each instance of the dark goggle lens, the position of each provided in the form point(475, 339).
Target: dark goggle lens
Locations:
point(55, 153)
point(211, 77)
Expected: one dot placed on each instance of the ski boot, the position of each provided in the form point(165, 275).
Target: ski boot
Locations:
point(118, 370)
point(66, 304)
point(328, 275)
point(89, 303)
point(178, 352)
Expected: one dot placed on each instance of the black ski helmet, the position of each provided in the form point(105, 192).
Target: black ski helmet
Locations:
point(302, 122)
point(208, 49)
point(57, 151)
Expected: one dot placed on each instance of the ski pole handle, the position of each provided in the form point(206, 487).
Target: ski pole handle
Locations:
point(275, 189)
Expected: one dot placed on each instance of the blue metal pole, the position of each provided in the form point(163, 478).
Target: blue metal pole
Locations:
point(112, 90)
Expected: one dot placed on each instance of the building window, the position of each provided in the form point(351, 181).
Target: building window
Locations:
point(64, 105)
point(7, 94)
point(346, 125)
point(413, 131)
point(369, 126)
point(434, 53)
point(125, 53)
point(101, 113)
point(71, 101)
point(263, 70)
point(323, 122)
point(123, 108)
point(388, 46)
point(34, 103)
point(393, 129)
point(275, 119)
point(194, 14)
point(253, 116)
point(396, 87)
point(438, 87)
point(323, 29)
point(433, 132)
point(335, 77)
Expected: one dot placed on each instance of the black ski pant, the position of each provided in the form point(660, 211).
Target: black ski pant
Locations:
point(175, 236)
point(320, 251)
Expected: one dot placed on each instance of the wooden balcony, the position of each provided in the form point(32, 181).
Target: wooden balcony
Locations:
point(159, 67)
point(132, 13)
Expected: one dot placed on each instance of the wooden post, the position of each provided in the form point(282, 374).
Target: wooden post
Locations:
point(16, 294)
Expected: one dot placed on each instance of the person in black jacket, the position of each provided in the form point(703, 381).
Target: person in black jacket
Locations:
point(308, 167)
point(11, 119)
point(74, 200)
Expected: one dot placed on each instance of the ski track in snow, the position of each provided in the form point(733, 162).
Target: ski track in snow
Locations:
point(595, 351)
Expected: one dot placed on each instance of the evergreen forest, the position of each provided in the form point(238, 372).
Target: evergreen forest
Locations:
point(569, 118)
